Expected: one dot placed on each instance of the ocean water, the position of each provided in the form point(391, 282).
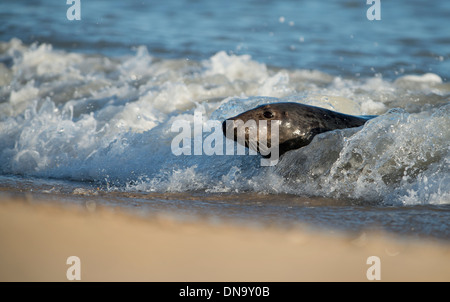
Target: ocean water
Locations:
point(88, 106)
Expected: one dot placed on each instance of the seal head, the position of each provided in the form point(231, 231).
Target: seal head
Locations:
point(297, 125)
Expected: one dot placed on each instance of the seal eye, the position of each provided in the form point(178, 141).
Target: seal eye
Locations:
point(268, 114)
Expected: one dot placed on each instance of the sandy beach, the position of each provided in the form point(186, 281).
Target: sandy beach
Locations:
point(117, 245)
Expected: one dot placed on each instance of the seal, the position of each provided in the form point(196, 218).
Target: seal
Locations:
point(297, 125)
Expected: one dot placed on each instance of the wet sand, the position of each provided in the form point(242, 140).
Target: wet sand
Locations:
point(118, 245)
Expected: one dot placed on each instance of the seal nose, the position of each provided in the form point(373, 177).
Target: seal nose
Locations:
point(229, 126)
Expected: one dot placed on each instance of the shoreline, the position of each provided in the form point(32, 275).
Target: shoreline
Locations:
point(117, 245)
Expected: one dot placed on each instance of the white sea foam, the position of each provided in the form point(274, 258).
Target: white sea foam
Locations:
point(95, 118)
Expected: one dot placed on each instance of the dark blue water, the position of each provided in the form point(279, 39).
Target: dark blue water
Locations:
point(333, 36)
